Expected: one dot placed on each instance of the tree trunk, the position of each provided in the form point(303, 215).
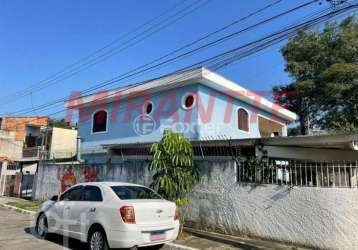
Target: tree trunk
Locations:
point(303, 124)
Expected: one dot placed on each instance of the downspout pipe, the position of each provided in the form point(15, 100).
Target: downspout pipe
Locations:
point(78, 149)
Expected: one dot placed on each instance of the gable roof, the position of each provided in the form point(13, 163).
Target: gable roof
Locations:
point(198, 75)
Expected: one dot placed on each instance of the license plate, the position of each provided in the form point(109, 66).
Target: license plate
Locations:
point(158, 235)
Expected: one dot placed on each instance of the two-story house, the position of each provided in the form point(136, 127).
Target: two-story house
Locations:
point(200, 103)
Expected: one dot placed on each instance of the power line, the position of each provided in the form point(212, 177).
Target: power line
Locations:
point(263, 43)
point(64, 74)
point(135, 71)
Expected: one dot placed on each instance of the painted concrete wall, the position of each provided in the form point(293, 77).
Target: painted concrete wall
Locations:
point(317, 217)
point(325, 218)
point(55, 178)
point(167, 110)
point(223, 123)
point(319, 154)
point(63, 143)
point(214, 115)
point(9, 146)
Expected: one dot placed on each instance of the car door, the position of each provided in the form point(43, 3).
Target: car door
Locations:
point(56, 215)
point(67, 206)
point(92, 200)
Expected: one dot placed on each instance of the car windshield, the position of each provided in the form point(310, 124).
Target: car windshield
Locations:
point(134, 192)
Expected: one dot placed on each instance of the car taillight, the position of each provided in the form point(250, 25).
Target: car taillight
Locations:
point(176, 216)
point(128, 215)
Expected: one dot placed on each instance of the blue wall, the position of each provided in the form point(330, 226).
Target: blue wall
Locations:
point(224, 120)
point(167, 110)
point(200, 122)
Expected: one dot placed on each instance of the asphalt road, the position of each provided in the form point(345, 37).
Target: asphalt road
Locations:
point(17, 233)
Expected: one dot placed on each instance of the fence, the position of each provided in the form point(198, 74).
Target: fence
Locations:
point(299, 173)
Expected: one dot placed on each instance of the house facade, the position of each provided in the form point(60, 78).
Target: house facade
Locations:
point(199, 103)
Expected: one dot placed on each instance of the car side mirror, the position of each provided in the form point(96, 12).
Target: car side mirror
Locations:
point(54, 198)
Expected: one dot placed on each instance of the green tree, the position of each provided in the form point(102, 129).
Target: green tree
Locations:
point(58, 123)
point(175, 172)
point(323, 66)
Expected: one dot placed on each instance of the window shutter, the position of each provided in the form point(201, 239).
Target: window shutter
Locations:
point(243, 119)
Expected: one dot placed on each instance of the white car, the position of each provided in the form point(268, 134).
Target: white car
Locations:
point(110, 215)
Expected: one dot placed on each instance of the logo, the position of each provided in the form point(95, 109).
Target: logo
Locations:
point(144, 125)
point(159, 211)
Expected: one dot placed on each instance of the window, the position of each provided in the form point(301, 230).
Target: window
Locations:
point(73, 194)
point(188, 101)
point(148, 107)
point(134, 192)
point(269, 128)
point(243, 119)
point(92, 193)
point(99, 123)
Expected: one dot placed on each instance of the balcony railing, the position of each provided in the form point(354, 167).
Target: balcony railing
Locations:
point(33, 152)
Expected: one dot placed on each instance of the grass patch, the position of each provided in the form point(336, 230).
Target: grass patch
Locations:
point(27, 205)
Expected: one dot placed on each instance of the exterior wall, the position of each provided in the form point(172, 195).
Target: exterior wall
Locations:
point(223, 123)
point(18, 125)
point(324, 218)
point(10, 180)
point(9, 147)
point(319, 154)
point(213, 116)
point(63, 143)
point(52, 179)
point(167, 110)
point(3, 167)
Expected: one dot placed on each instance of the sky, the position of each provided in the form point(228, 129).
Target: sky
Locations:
point(40, 38)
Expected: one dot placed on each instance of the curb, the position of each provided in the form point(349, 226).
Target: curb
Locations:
point(234, 242)
point(173, 246)
point(24, 211)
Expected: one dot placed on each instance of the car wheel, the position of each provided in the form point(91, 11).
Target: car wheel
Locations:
point(97, 240)
point(42, 226)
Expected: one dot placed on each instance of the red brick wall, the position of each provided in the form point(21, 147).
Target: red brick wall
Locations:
point(18, 125)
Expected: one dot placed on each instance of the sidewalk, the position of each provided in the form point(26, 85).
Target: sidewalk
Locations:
point(208, 241)
point(7, 199)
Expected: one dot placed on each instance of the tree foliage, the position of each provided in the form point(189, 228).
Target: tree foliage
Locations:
point(58, 123)
point(175, 172)
point(323, 66)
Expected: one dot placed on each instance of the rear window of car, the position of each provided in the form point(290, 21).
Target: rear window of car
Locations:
point(134, 193)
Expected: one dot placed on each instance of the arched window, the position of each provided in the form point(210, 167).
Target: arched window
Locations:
point(243, 119)
point(99, 122)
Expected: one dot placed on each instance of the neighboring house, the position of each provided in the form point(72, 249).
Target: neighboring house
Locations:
point(200, 103)
point(27, 140)
point(19, 124)
point(24, 143)
point(49, 143)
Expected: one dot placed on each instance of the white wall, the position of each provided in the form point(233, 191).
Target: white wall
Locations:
point(319, 154)
point(9, 147)
point(324, 218)
point(63, 144)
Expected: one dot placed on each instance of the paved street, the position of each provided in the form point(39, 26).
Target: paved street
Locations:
point(17, 232)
